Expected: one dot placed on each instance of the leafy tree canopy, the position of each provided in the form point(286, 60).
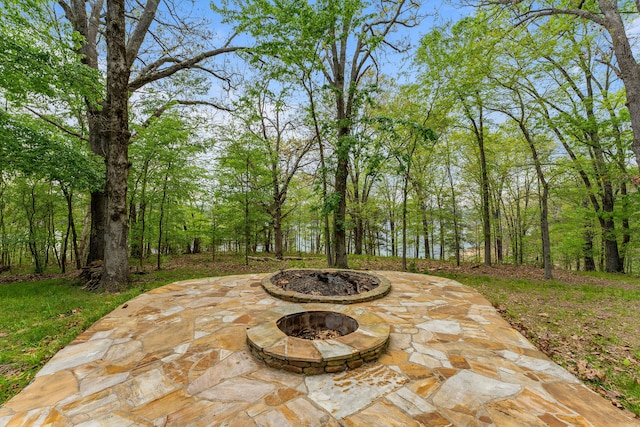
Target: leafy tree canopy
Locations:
point(33, 151)
point(37, 56)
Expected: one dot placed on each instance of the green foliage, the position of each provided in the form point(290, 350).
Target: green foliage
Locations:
point(243, 187)
point(35, 151)
point(165, 180)
point(37, 56)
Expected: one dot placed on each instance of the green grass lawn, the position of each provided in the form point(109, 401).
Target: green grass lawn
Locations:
point(591, 328)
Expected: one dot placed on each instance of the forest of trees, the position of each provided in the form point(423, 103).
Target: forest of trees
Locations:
point(133, 130)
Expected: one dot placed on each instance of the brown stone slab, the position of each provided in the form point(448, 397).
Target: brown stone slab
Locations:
point(588, 404)
point(301, 350)
point(169, 403)
point(45, 391)
point(381, 414)
point(361, 341)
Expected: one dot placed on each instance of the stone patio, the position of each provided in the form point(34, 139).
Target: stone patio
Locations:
point(177, 356)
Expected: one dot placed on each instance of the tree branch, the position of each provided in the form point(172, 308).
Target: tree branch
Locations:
point(136, 39)
point(58, 125)
point(584, 14)
point(179, 65)
point(164, 107)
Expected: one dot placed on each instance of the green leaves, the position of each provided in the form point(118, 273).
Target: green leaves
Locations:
point(37, 60)
point(32, 150)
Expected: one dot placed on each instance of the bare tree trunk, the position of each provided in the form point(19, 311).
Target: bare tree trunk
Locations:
point(392, 230)
point(76, 253)
point(477, 125)
point(425, 231)
point(544, 198)
point(115, 275)
point(544, 226)
point(246, 216)
point(358, 233)
point(626, 228)
point(71, 228)
point(160, 221)
point(497, 223)
point(456, 233)
point(339, 214)
point(30, 210)
point(96, 233)
point(323, 167)
point(84, 236)
point(135, 250)
point(277, 231)
point(486, 222)
point(405, 191)
point(442, 228)
point(587, 247)
point(4, 250)
point(87, 26)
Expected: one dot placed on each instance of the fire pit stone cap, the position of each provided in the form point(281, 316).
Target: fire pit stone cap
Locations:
point(293, 296)
point(270, 344)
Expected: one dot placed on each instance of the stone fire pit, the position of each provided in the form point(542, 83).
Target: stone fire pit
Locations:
point(361, 337)
point(326, 286)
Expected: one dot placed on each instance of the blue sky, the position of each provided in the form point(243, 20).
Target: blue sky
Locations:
point(435, 12)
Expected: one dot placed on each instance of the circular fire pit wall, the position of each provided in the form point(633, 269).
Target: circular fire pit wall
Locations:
point(310, 325)
point(326, 286)
point(325, 338)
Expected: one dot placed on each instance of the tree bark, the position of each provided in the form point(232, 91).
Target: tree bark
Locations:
point(422, 202)
point(71, 229)
point(108, 124)
point(161, 219)
point(306, 80)
point(277, 231)
point(87, 26)
point(587, 247)
point(544, 197)
point(478, 129)
point(405, 193)
point(339, 215)
point(497, 222)
point(392, 230)
point(454, 209)
point(115, 276)
point(30, 210)
point(425, 232)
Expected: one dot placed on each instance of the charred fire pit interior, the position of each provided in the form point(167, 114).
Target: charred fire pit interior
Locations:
point(335, 286)
point(317, 325)
point(327, 283)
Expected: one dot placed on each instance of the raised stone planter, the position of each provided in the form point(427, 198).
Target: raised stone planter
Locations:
point(382, 289)
point(311, 357)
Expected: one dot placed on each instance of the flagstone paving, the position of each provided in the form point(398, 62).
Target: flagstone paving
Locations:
point(178, 356)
